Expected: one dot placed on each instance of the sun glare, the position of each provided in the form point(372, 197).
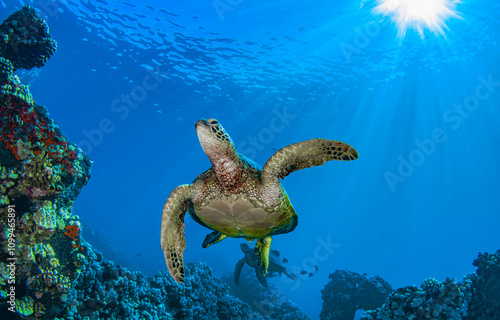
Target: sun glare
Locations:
point(418, 14)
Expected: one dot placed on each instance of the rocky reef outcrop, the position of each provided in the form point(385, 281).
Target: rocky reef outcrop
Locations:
point(485, 302)
point(105, 290)
point(41, 174)
point(349, 291)
point(25, 40)
point(473, 298)
point(431, 300)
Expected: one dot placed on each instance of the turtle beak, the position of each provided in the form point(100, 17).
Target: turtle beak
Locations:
point(202, 127)
point(205, 135)
point(200, 123)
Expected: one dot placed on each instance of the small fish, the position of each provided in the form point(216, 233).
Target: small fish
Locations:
point(310, 274)
point(15, 118)
point(316, 267)
point(285, 260)
point(138, 254)
point(303, 272)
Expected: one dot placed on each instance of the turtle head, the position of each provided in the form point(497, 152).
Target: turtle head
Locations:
point(245, 247)
point(213, 138)
point(220, 149)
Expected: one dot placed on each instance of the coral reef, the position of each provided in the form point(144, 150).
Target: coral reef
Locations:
point(432, 300)
point(486, 282)
point(6, 69)
point(474, 298)
point(41, 174)
point(201, 296)
point(107, 291)
point(269, 302)
point(348, 291)
point(25, 40)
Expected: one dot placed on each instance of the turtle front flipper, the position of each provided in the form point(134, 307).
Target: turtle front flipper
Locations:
point(213, 238)
point(301, 155)
point(262, 249)
point(173, 242)
point(237, 271)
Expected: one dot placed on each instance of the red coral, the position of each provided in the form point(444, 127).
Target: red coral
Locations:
point(74, 233)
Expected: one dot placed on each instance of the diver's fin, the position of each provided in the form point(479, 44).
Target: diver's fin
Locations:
point(262, 249)
point(213, 238)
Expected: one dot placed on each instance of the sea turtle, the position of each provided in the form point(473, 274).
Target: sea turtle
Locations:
point(235, 198)
point(250, 258)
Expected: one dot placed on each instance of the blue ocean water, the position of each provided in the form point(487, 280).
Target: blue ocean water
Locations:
point(129, 81)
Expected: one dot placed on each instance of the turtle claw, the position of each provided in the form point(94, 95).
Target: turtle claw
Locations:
point(262, 249)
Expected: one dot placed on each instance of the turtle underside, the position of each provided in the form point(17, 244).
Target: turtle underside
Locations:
point(240, 212)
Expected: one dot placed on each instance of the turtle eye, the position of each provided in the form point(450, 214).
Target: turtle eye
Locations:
point(212, 122)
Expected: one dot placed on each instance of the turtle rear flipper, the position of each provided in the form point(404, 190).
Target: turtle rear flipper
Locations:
point(213, 238)
point(237, 271)
point(262, 249)
point(260, 277)
point(301, 155)
point(173, 242)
